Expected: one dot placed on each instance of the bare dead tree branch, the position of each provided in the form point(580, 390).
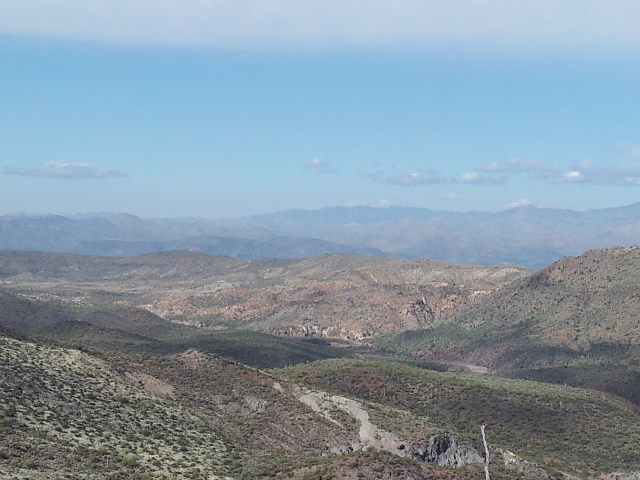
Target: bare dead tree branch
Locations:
point(486, 458)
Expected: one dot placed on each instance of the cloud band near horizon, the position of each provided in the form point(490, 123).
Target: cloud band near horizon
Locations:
point(260, 24)
point(77, 171)
point(499, 173)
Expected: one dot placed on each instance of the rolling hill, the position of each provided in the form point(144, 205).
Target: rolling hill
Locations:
point(68, 414)
point(166, 366)
point(349, 297)
point(576, 322)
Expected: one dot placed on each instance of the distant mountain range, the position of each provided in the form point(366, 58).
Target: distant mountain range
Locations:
point(529, 236)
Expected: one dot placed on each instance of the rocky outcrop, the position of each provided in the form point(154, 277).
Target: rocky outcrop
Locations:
point(445, 450)
point(369, 434)
point(441, 450)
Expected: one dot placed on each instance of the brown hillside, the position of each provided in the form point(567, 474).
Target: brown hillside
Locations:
point(334, 296)
point(576, 321)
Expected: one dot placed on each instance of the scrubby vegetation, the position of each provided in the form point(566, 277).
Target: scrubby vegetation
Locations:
point(562, 427)
point(64, 412)
point(92, 386)
point(575, 322)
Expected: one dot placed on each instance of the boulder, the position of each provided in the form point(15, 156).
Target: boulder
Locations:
point(445, 450)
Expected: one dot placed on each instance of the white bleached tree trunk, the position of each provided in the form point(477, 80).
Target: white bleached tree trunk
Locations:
point(486, 450)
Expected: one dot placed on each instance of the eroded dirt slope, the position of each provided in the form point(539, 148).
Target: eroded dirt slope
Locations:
point(334, 296)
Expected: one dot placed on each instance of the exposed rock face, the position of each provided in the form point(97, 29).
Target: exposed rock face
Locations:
point(369, 435)
point(445, 450)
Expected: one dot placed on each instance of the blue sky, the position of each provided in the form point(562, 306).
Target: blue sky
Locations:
point(316, 108)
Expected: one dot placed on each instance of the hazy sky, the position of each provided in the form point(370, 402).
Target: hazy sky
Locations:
point(227, 108)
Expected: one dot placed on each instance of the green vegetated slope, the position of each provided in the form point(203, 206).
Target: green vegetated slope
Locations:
point(570, 429)
point(66, 413)
point(575, 322)
point(273, 433)
point(193, 414)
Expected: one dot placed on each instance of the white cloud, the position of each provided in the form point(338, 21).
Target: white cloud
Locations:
point(582, 172)
point(521, 202)
point(632, 180)
point(475, 177)
point(573, 175)
point(321, 166)
point(592, 173)
point(498, 172)
point(504, 24)
point(65, 170)
point(410, 179)
point(384, 203)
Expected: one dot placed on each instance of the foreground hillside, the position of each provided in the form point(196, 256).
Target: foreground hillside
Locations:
point(66, 414)
point(565, 428)
point(575, 322)
point(349, 297)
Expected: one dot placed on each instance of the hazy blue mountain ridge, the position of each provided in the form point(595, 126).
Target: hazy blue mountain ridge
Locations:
point(529, 236)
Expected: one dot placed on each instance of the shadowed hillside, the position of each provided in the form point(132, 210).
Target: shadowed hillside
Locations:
point(575, 322)
point(24, 314)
